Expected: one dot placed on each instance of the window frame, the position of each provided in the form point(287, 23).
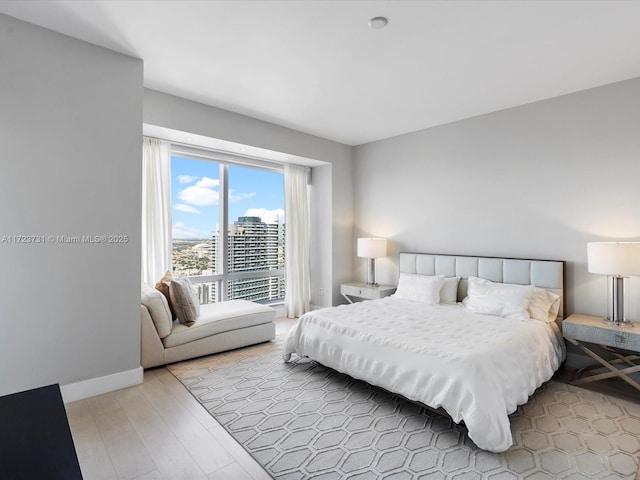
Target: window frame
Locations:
point(224, 160)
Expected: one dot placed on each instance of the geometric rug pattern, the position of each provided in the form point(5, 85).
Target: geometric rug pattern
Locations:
point(301, 420)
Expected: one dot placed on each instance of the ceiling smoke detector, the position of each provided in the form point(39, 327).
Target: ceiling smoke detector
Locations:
point(376, 23)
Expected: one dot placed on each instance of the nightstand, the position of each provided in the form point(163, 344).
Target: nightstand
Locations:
point(579, 329)
point(354, 290)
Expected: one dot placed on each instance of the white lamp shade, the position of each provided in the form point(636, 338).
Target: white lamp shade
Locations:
point(614, 258)
point(372, 247)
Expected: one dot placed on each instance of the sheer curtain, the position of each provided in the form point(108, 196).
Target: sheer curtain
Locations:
point(156, 209)
point(296, 251)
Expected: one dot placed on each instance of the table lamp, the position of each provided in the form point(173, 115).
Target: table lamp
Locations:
point(372, 248)
point(617, 260)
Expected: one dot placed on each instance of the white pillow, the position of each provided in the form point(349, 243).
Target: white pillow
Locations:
point(501, 299)
point(449, 292)
point(419, 288)
point(544, 305)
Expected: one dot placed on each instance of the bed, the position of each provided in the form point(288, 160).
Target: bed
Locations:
point(477, 367)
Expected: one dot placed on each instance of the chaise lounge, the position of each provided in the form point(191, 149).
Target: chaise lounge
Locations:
point(219, 327)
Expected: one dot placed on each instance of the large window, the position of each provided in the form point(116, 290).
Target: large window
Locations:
point(228, 228)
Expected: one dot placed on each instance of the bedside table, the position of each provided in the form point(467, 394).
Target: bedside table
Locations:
point(577, 329)
point(361, 290)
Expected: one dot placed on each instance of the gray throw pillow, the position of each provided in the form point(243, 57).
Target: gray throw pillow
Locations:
point(184, 300)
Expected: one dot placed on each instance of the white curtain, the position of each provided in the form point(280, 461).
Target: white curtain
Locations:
point(296, 252)
point(156, 209)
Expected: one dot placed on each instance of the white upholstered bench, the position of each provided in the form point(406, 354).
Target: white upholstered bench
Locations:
point(219, 327)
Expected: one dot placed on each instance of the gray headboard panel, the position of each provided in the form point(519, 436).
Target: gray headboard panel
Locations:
point(547, 274)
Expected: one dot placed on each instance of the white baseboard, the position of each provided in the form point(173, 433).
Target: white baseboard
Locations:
point(97, 386)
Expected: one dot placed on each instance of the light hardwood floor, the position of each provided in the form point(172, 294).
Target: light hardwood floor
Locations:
point(157, 430)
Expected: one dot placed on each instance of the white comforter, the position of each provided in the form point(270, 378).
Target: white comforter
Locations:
point(479, 368)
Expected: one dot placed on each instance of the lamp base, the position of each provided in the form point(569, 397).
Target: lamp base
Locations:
point(618, 323)
point(371, 275)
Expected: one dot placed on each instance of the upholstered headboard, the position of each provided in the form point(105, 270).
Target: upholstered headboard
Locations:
point(547, 274)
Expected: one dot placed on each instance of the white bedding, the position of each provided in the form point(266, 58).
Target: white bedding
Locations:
point(479, 368)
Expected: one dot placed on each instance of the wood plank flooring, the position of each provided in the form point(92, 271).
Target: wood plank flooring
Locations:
point(156, 430)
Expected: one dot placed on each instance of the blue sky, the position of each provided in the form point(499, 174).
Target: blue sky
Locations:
point(195, 196)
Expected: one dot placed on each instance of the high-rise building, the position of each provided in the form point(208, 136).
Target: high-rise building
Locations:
point(252, 245)
point(256, 245)
point(206, 292)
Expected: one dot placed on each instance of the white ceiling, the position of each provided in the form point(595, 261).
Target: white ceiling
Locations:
point(315, 66)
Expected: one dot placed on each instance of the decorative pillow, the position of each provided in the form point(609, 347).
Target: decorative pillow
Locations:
point(501, 299)
point(419, 288)
point(163, 287)
point(449, 292)
point(185, 301)
point(544, 305)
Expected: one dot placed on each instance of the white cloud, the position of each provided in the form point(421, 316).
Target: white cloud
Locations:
point(236, 197)
point(203, 193)
point(181, 207)
point(186, 178)
point(207, 182)
point(267, 216)
point(180, 230)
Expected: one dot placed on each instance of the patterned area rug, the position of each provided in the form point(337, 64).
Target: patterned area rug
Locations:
point(302, 420)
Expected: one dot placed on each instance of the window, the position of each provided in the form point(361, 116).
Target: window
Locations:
point(244, 202)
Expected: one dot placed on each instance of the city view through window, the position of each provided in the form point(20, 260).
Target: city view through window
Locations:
point(249, 262)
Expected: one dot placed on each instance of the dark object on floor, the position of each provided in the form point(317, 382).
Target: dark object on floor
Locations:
point(35, 439)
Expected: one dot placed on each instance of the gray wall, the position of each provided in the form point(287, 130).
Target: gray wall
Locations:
point(70, 134)
point(332, 195)
point(536, 181)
